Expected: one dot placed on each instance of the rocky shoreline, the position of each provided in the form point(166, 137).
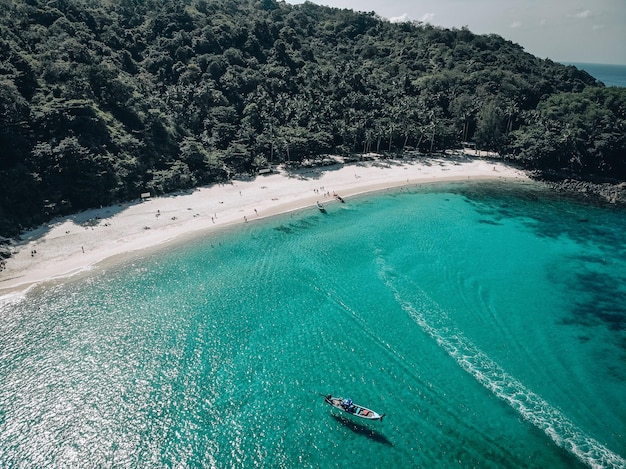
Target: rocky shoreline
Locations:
point(605, 192)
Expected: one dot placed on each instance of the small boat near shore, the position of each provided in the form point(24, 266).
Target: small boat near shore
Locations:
point(321, 207)
point(349, 407)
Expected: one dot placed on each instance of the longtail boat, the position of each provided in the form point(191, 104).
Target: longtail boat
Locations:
point(349, 407)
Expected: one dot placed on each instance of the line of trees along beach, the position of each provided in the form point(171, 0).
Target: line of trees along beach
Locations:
point(103, 100)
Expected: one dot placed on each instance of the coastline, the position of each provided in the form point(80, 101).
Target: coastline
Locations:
point(76, 243)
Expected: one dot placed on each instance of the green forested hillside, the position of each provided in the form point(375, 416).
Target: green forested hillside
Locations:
point(103, 100)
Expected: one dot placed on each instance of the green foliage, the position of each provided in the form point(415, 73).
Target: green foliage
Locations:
point(100, 101)
point(177, 176)
point(581, 133)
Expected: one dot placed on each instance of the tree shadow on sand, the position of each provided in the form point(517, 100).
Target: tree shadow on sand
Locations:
point(363, 430)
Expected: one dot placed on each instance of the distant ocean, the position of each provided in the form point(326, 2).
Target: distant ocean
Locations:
point(610, 75)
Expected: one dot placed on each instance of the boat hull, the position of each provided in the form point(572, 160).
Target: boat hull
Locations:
point(355, 410)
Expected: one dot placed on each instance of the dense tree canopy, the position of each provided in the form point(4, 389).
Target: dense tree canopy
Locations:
point(100, 101)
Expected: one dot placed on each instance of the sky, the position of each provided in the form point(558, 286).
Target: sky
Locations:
point(587, 31)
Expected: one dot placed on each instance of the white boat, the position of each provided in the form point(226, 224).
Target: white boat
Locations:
point(349, 407)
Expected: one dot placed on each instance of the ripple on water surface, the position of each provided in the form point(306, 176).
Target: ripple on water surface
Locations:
point(449, 308)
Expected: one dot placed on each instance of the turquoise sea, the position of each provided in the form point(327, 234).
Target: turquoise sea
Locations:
point(609, 74)
point(487, 321)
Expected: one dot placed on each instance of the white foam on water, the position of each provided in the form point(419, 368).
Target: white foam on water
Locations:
point(12, 298)
point(532, 407)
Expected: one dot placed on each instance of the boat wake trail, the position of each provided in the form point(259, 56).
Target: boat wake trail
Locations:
point(434, 321)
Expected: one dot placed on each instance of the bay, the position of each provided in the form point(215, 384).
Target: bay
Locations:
point(487, 321)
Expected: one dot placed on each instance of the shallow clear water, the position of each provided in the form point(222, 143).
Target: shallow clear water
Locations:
point(486, 321)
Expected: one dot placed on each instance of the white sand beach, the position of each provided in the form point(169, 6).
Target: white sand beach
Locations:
point(72, 244)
